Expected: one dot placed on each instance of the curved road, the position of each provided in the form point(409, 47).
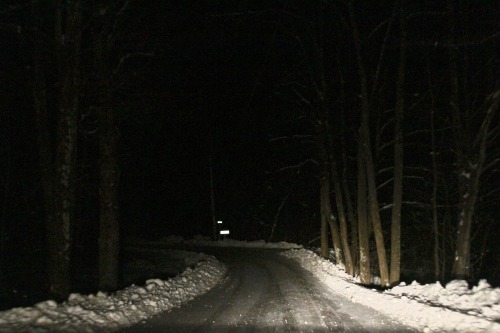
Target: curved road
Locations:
point(265, 292)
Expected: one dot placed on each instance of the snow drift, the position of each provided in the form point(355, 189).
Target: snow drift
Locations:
point(103, 312)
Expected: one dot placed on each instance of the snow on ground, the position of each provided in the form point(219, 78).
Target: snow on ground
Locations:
point(103, 312)
point(428, 308)
point(228, 242)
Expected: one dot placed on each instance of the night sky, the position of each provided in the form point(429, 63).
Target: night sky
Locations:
point(227, 79)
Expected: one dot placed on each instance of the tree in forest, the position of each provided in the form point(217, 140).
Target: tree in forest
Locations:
point(57, 162)
point(364, 142)
point(363, 220)
point(328, 219)
point(107, 26)
point(468, 153)
point(318, 36)
point(471, 147)
point(104, 35)
point(398, 157)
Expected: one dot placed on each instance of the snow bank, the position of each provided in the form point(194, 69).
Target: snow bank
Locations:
point(103, 312)
point(482, 300)
point(228, 242)
point(428, 308)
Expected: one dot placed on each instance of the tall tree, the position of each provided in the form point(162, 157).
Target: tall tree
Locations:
point(363, 221)
point(57, 163)
point(435, 177)
point(339, 201)
point(398, 155)
point(470, 170)
point(109, 227)
point(110, 19)
point(470, 148)
point(364, 142)
point(327, 215)
point(324, 218)
point(68, 41)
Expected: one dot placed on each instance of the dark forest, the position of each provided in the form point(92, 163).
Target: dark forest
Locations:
point(369, 127)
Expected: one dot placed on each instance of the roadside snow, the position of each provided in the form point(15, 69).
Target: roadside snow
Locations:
point(228, 242)
point(103, 312)
point(428, 308)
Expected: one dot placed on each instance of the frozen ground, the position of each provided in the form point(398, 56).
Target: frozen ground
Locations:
point(429, 308)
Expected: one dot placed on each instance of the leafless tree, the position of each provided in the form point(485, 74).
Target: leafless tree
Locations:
point(58, 163)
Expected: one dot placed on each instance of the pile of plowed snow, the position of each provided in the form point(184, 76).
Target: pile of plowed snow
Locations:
point(228, 242)
point(103, 312)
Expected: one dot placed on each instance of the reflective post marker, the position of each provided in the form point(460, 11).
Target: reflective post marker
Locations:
point(224, 233)
point(219, 226)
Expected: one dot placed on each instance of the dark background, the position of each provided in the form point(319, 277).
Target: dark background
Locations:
point(214, 79)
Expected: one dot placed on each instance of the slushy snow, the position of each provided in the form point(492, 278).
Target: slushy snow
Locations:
point(428, 308)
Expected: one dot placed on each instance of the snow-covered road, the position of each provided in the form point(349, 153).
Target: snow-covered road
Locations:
point(266, 292)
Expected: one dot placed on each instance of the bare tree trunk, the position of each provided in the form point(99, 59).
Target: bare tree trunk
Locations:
point(435, 224)
point(277, 216)
point(6, 184)
point(353, 221)
point(324, 225)
point(60, 191)
point(342, 219)
point(373, 205)
point(461, 265)
point(326, 206)
point(398, 158)
point(351, 215)
point(365, 142)
point(364, 235)
point(45, 151)
point(363, 225)
point(470, 154)
point(212, 198)
point(343, 233)
point(109, 169)
point(326, 212)
point(109, 226)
